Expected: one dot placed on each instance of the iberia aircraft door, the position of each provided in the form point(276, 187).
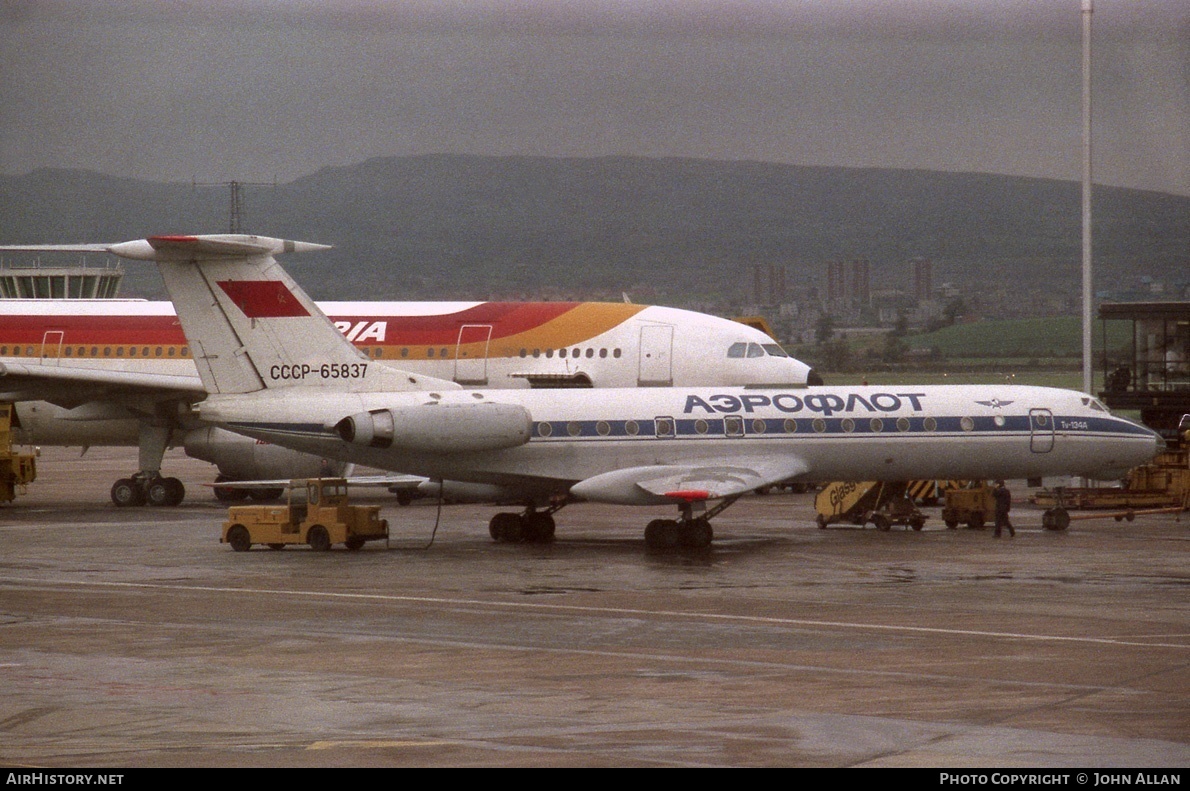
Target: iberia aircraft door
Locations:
point(656, 355)
point(1041, 430)
point(471, 354)
point(51, 346)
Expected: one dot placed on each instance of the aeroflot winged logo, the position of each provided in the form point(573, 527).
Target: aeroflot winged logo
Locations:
point(263, 299)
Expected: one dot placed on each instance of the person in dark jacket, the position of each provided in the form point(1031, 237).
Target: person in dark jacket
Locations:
point(1003, 500)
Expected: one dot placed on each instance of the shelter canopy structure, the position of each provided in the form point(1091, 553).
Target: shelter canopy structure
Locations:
point(1152, 375)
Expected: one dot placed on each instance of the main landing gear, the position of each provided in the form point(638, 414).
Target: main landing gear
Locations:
point(531, 527)
point(148, 489)
point(687, 531)
point(149, 486)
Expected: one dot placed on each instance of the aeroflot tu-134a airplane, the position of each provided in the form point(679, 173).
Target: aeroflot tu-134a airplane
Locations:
point(247, 320)
point(119, 372)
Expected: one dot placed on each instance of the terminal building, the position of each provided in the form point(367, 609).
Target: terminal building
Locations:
point(60, 282)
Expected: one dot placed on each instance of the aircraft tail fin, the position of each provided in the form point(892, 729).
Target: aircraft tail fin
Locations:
point(250, 326)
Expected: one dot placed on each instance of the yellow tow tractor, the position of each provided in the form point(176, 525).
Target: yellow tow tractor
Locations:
point(317, 514)
point(971, 504)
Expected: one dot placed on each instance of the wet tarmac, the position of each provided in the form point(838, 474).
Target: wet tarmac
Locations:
point(132, 638)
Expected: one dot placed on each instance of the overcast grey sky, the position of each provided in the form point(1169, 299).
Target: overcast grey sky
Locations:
point(257, 89)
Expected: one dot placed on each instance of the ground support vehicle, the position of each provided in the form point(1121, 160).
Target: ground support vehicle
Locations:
point(884, 504)
point(971, 505)
point(1163, 483)
point(16, 469)
point(318, 514)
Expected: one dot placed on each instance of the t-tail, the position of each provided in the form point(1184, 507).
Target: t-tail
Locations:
point(250, 326)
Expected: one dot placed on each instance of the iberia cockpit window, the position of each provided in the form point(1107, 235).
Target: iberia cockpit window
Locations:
point(742, 349)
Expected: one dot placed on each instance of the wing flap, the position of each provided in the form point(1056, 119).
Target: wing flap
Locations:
point(667, 483)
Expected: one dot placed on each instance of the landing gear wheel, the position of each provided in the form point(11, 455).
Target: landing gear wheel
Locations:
point(165, 492)
point(663, 534)
point(354, 543)
point(697, 534)
point(538, 527)
point(127, 492)
point(506, 528)
point(1055, 519)
point(239, 538)
point(318, 539)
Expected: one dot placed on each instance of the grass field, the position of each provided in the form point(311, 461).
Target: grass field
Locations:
point(1057, 336)
point(1072, 380)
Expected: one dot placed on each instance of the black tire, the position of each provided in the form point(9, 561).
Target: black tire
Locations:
point(354, 543)
point(951, 524)
point(1057, 519)
point(165, 492)
point(697, 534)
point(917, 523)
point(881, 522)
point(539, 528)
point(404, 497)
point(127, 492)
point(663, 535)
point(821, 520)
point(276, 547)
point(318, 539)
point(239, 538)
point(506, 528)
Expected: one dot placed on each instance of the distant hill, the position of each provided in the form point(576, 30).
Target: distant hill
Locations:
point(677, 230)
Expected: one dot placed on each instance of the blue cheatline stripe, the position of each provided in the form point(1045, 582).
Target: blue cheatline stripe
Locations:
point(712, 427)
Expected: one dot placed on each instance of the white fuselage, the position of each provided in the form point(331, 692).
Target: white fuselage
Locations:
point(493, 345)
point(864, 433)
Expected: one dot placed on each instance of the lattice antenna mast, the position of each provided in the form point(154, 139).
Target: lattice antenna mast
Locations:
point(235, 207)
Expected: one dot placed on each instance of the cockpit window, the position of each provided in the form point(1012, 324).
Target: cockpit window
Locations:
point(775, 350)
point(754, 350)
point(1094, 404)
point(737, 350)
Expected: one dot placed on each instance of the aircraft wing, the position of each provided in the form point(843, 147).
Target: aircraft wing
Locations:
point(667, 483)
point(69, 387)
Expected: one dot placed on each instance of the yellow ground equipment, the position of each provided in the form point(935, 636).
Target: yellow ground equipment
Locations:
point(859, 502)
point(1162, 483)
point(317, 514)
point(971, 505)
point(930, 493)
point(16, 469)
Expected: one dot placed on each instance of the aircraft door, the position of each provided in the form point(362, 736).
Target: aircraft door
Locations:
point(471, 354)
point(1041, 430)
point(51, 345)
point(656, 355)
